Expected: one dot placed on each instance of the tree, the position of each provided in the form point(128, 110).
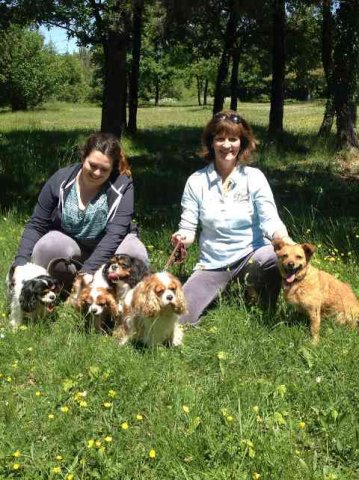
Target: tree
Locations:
point(345, 76)
point(327, 60)
point(278, 67)
point(28, 73)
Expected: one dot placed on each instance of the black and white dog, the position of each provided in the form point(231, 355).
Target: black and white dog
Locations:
point(32, 291)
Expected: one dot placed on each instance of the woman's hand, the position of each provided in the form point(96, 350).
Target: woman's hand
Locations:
point(187, 238)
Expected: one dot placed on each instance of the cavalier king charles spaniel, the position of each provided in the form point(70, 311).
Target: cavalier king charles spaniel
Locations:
point(123, 273)
point(32, 291)
point(97, 301)
point(151, 311)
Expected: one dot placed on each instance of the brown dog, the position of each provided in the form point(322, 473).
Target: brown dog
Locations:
point(314, 291)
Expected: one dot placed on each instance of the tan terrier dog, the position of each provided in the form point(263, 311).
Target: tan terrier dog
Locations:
point(314, 291)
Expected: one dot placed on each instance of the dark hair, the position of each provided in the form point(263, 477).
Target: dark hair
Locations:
point(108, 145)
point(228, 122)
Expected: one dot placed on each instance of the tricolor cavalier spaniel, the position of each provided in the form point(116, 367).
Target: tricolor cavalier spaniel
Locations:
point(32, 291)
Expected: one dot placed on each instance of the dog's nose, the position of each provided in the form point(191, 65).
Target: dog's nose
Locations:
point(291, 264)
point(169, 297)
point(52, 296)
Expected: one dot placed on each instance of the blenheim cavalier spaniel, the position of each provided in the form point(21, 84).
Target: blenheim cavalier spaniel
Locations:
point(151, 311)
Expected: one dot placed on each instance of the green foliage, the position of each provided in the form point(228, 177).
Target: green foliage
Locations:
point(76, 77)
point(28, 69)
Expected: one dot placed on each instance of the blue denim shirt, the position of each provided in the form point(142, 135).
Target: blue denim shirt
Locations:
point(235, 220)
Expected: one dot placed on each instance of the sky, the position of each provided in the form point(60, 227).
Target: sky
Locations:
point(58, 37)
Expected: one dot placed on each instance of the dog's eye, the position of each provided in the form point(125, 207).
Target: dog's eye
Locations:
point(299, 257)
point(101, 304)
point(113, 267)
point(159, 290)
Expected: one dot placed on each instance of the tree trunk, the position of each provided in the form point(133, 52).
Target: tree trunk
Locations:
point(346, 63)
point(205, 92)
point(229, 39)
point(114, 94)
point(328, 118)
point(278, 68)
point(234, 78)
point(327, 60)
point(157, 92)
point(199, 90)
point(135, 68)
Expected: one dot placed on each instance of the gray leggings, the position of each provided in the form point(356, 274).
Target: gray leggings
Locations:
point(257, 272)
point(56, 245)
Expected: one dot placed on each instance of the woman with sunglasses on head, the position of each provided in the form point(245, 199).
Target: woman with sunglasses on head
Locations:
point(83, 215)
point(235, 209)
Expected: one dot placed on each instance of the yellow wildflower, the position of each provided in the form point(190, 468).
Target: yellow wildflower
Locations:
point(16, 454)
point(152, 453)
point(98, 443)
point(256, 476)
point(124, 426)
point(301, 425)
point(83, 403)
point(64, 409)
point(58, 458)
point(38, 394)
point(51, 416)
point(255, 409)
point(16, 466)
point(23, 327)
point(112, 393)
point(229, 418)
point(185, 409)
point(70, 476)
point(56, 470)
point(107, 404)
point(139, 417)
point(108, 439)
point(90, 443)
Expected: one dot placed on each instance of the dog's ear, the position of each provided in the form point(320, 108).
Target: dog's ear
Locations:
point(309, 249)
point(27, 297)
point(277, 244)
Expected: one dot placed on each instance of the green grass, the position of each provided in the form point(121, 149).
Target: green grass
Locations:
point(247, 394)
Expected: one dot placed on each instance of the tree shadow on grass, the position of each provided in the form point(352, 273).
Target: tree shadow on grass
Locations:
point(29, 157)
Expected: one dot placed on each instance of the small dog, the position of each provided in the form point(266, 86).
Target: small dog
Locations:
point(151, 311)
point(124, 272)
point(314, 291)
point(33, 292)
point(100, 304)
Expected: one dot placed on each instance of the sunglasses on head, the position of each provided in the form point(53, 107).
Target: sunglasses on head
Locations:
point(225, 116)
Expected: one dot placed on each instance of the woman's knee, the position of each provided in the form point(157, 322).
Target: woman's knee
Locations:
point(55, 245)
point(131, 245)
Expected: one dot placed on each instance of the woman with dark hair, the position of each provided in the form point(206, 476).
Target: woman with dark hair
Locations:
point(84, 214)
point(235, 209)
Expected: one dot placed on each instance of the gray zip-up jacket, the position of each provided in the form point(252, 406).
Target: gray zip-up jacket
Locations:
point(48, 211)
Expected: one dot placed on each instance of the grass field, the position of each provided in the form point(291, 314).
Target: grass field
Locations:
point(247, 396)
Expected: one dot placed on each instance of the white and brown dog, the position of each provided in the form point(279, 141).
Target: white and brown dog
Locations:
point(32, 292)
point(96, 300)
point(151, 311)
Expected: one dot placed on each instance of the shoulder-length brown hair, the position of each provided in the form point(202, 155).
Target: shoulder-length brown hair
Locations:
point(230, 123)
point(108, 145)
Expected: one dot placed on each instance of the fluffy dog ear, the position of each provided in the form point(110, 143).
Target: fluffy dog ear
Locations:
point(181, 304)
point(146, 300)
point(277, 244)
point(138, 271)
point(309, 249)
point(27, 298)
